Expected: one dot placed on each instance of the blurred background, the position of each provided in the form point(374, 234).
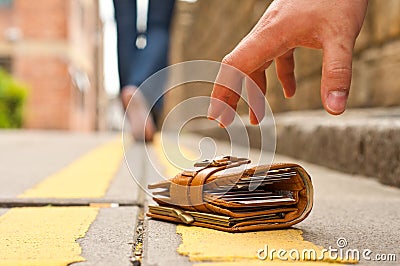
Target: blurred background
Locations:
point(61, 55)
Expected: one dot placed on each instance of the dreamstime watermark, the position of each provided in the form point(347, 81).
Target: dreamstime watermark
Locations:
point(338, 253)
point(193, 79)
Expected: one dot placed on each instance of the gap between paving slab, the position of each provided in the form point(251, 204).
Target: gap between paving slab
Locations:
point(161, 241)
point(110, 238)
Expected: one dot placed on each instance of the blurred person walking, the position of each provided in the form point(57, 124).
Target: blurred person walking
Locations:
point(143, 44)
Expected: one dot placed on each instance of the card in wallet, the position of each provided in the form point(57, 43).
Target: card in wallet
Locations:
point(230, 195)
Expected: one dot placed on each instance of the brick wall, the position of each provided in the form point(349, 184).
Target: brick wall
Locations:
point(57, 53)
point(43, 19)
point(208, 29)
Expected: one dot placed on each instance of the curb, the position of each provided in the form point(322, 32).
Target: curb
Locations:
point(361, 141)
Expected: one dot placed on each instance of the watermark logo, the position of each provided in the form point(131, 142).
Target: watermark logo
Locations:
point(341, 242)
point(339, 253)
point(194, 80)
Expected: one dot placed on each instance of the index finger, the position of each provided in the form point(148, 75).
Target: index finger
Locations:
point(226, 91)
point(261, 45)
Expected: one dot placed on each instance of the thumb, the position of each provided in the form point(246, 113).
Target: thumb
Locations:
point(336, 76)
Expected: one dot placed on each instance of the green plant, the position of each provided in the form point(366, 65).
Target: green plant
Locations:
point(12, 99)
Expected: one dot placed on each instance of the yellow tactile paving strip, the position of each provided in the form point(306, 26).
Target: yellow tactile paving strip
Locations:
point(43, 236)
point(88, 177)
point(47, 235)
point(216, 248)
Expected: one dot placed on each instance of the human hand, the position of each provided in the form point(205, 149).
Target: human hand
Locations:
point(330, 25)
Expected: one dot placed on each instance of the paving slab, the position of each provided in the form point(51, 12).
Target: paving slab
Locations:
point(27, 157)
point(110, 237)
point(161, 244)
point(43, 153)
point(124, 187)
point(133, 173)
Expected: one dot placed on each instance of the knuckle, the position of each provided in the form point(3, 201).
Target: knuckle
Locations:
point(216, 93)
point(257, 97)
point(221, 92)
point(228, 59)
point(338, 70)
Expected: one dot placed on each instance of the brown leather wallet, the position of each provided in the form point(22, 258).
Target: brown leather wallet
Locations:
point(228, 195)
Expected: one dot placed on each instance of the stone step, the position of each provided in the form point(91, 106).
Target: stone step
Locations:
point(361, 141)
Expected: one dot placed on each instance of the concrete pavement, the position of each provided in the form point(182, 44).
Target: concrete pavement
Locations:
point(362, 211)
point(109, 240)
point(83, 226)
point(67, 197)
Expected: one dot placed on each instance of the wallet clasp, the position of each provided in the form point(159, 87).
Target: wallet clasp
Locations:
point(184, 217)
point(226, 160)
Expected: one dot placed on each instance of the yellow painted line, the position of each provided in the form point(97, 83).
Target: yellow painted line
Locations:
point(87, 177)
point(222, 248)
point(159, 146)
point(218, 248)
point(43, 236)
point(261, 263)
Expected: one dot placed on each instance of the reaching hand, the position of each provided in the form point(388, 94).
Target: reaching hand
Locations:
point(330, 25)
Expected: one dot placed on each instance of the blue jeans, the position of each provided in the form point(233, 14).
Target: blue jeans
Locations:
point(136, 65)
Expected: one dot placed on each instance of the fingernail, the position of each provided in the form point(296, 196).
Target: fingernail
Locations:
point(253, 121)
point(287, 96)
point(336, 101)
point(209, 115)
